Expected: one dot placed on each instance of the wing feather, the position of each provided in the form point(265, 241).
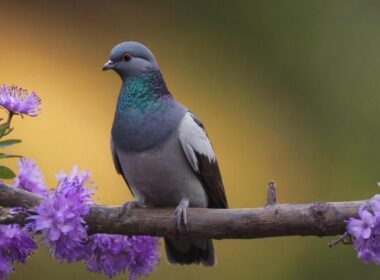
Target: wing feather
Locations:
point(117, 164)
point(199, 152)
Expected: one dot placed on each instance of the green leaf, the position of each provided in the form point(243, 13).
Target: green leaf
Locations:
point(9, 142)
point(6, 173)
point(9, 130)
point(3, 129)
point(2, 155)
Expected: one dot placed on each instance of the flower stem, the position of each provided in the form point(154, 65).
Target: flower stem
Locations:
point(10, 116)
point(5, 127)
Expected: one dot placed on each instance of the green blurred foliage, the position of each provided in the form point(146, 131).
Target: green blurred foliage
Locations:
point(288, 90)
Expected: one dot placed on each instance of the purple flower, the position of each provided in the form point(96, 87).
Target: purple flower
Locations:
point(366, 231)
point(73, 187)
point(30, 177)
point(115, 254)
point(361, 228)
point(145, 255)
point(15, 245)
point(368, 249)
point(374, 204)
point(19, 101)
point(60, 217)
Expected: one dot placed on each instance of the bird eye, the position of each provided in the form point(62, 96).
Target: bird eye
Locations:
point(126, 57)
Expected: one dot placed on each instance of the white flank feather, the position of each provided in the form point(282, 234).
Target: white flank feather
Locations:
point(194, 138)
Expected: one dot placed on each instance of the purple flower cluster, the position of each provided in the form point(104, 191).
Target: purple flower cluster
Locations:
point(366, 231)
point(19, 101)
point(115, 254)
point(15, 245)
point(30, 178)
point(60, 220)
point(59, 217)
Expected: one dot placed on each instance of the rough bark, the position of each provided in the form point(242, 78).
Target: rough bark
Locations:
point(316, 219)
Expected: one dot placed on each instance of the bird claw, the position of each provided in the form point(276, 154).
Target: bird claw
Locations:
point(181, 214)
point(126, 209)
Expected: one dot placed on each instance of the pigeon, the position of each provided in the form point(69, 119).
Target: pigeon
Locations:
point(162, 150)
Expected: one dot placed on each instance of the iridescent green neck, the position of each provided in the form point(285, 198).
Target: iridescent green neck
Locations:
point(142, 92)
point(146, 113)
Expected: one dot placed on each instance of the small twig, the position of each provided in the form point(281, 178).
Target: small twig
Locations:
point(271, 197)
point(17, 218)
point(342, 239)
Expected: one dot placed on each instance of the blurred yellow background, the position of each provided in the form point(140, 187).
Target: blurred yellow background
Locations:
point(288, 90)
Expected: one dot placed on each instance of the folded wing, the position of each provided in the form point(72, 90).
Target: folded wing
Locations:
point(200, 154)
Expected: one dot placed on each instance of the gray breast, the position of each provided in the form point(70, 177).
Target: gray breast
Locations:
point(139, 131)
point(162, 176)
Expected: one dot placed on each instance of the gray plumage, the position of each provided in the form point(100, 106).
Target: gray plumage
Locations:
point(161, 149)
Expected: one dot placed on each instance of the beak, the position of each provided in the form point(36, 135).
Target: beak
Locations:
point(108, 65)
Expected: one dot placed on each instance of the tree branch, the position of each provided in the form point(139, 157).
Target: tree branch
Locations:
point(316, 219)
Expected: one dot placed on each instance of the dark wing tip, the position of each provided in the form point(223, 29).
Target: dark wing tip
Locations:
point(211, 178)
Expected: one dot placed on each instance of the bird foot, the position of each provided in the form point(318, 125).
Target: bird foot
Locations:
point(181, 214)
point(126, 209)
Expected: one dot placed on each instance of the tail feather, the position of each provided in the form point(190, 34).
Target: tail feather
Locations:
point(190, 251)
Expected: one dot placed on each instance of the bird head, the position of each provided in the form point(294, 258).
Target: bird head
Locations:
point(129, 59)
